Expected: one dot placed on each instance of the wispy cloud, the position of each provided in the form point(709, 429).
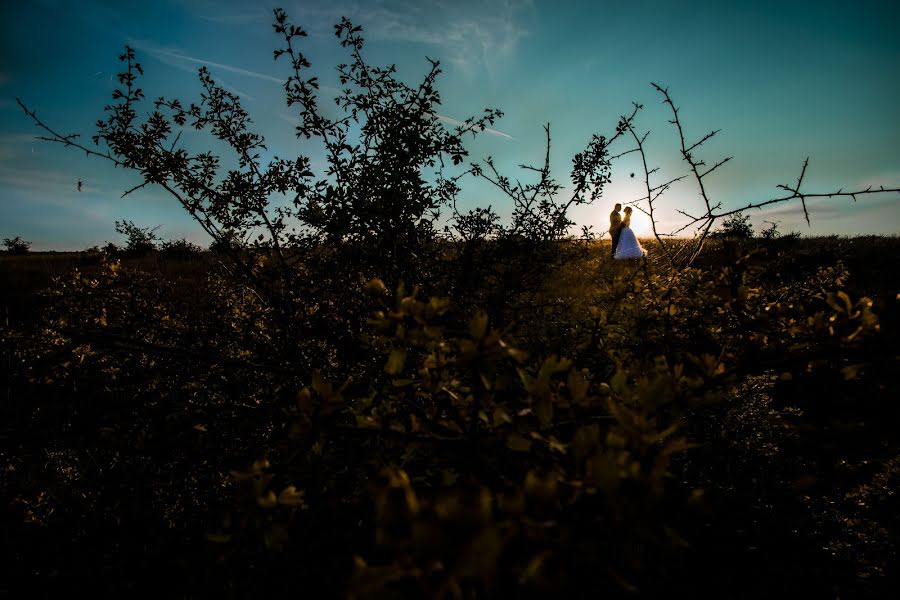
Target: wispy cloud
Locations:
point(46, 181)
point(54, 190)
point(831, 208)
point(887, 179)
point(471, 37)
point(487, 130)
point(183, 61)
point(17, 138)
point(293, 120)
point(227, 13)
point(236, 91)
point(15, 144)
point(254, 16)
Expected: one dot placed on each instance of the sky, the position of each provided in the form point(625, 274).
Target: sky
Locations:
point(782, 80)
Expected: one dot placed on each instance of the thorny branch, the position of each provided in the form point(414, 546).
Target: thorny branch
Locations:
point(703, 223)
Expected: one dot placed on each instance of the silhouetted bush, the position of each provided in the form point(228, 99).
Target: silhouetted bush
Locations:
point(139, 240)
point(736, 226)
point(16, 245)
point(771, 232)
point(179, 249)
point(227, 242)
point(111, 249)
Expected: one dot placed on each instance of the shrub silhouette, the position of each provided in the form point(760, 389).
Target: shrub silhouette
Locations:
point(139, 240)
point(180, 249)
point(227, 243)
point(736, 226)
point(16, 245)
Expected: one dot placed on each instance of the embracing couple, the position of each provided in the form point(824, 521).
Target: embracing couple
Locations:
point(624, 243)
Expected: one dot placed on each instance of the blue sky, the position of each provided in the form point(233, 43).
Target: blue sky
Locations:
point(783, 80)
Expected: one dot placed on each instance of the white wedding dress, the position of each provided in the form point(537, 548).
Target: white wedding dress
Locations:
point(628, 247)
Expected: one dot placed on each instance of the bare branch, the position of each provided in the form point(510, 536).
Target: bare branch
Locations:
point(621, 154)
point(639, 141)
point(695, 169)
point(716, 166)
point(66, 140)
point(794, 195)
point(134, 189)
point(704, 138)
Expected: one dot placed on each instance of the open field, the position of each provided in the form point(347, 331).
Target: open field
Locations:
point(868, 258)
point(145, 412)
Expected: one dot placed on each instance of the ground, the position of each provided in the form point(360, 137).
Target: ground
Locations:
point(796, 495)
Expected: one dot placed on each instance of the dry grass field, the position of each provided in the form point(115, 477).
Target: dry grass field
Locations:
point(125, 453)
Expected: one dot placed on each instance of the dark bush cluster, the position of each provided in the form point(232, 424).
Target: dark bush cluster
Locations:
point(738, 226)
point(138, 240)
point(16, 245)
point(179, 248)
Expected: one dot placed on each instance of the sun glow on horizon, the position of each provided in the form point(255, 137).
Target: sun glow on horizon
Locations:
point(640, 224)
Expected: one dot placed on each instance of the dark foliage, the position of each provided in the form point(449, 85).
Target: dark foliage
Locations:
point(738, 226)
point(16, 245)
point(111, 249)
point(139, 240)
point(180, 248)
point(226, 244)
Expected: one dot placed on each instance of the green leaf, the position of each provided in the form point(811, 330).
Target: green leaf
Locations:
point(557, 445)
point(395, 361)
point(543, 410)
point(518, 443)
point(268, 500)
point(848, 306)
point(291, 496)
point(618, 381)
point(501, 416)
point(478, 325)
point(527, 381)
point(585, 441)
point(578, 385)
point(851, 371)
point(840, 302)
point(553, 365)
point(375, 287)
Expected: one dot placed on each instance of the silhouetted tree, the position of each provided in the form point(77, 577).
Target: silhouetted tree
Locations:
point(139, 240)
point(736, 226)
point(179, 248)
point(16, 245)
point(771, 232)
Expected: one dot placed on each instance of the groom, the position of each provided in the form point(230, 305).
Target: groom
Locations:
point(615, 219)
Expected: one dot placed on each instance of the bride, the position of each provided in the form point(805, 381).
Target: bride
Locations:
point(628, 246)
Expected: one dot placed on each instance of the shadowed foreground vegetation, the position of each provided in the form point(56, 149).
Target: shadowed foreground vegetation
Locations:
point(147, 436)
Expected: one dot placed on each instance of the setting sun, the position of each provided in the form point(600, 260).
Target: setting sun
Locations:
point(640, 224)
